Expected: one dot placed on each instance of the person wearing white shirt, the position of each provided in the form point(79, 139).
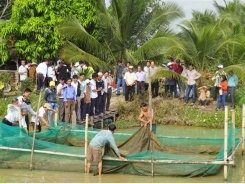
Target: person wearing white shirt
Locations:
point(83, 94)
point(42, 113)
point(12, 117)
point(154, 84)
point(93, 93)
point(50, 74)
point(41, 71)
point(107, 91)
point(61, 108)
point(23, 71)
point(192, 76)
point(141, 78)
point(130, 80)
point(146, 70)
point(24, 102)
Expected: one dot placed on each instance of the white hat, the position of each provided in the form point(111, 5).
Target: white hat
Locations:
point(76, 64)
point(87, 81)
point(130, 67)
point(169, 64)
point(220, 66)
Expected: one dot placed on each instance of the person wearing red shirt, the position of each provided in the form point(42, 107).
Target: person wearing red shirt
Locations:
point(223, 86)
point(176, 66)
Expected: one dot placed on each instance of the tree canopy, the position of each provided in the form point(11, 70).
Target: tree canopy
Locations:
point(33, 26)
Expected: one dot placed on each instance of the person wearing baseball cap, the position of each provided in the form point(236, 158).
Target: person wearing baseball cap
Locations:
point(216, 79)
point(50, 98)
point(41, 114)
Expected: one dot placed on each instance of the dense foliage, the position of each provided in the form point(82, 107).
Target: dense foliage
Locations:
point(32, 28)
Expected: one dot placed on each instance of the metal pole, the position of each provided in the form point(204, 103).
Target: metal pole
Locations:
point(233, 133)
point(86, 142)
point(34, 131)
point(243, 128)
point(150, 109)
point(225, 141)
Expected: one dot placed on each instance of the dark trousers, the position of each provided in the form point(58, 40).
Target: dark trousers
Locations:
point(141, 89)
point(231, 91)
point(169, 88)
point(215, 92)
point(85, 108)
point(146, 86)
point(40, 82)
point(92, 106)
point(107, 100)
point(7, 122)
point(154, 88)
point(99, 105)
point(129, 92)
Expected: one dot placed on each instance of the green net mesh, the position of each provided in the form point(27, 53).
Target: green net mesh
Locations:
point(62, 148)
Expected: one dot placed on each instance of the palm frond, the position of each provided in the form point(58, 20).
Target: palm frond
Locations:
point(239, 70)
point(70, 28)
point(163, 72)
point(71, 53)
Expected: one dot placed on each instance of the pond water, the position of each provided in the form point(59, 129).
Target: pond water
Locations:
point(235, 174)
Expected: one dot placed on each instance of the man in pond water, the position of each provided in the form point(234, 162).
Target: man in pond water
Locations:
point(99, 142)
point(144, 117)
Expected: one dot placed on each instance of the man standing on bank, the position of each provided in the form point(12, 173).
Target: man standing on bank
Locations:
point(130, 80)
point(70, 100)
point(99, 142)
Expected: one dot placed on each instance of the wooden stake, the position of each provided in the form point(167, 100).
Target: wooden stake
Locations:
point(150, 109)
point(243, 129)
point(34, 131)
point(225, 141)
point(86, 142)
point(20, 120)
point(233, 132)
point(56, 118)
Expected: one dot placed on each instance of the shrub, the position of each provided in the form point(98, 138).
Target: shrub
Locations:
point(27, 83)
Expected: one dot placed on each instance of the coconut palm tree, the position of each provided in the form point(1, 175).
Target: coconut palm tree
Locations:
point(129, 29)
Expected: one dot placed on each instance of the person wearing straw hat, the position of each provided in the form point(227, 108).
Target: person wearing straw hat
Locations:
point(12, 117)
point(204, 96)
point(41, 114)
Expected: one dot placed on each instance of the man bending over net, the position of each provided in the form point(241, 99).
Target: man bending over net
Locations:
point(97, 143)
point(144, 117)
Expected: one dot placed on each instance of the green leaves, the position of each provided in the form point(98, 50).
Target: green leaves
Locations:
point(33, 25)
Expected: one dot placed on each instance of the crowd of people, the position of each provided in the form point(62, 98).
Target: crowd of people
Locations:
point(68, 91)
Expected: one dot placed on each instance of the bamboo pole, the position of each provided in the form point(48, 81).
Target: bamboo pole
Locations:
point(150, 109)
point(86, 142)
point(56, 118)
point(44, 152)
point(208, 162)
point(233, 119)
point(34, 131)
point(243, 128)
point(20, 120)
point(225, 141)
point(234, 152)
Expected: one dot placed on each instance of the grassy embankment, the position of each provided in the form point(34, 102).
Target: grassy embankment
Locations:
point(167, 111)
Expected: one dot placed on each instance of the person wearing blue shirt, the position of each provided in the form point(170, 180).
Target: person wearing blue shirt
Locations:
point(70, 100)
point(97, 143)
point(232, 83)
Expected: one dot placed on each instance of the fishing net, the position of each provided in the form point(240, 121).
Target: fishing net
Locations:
point(62, 148)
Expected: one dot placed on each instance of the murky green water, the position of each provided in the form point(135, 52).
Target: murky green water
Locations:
point(235, 174)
